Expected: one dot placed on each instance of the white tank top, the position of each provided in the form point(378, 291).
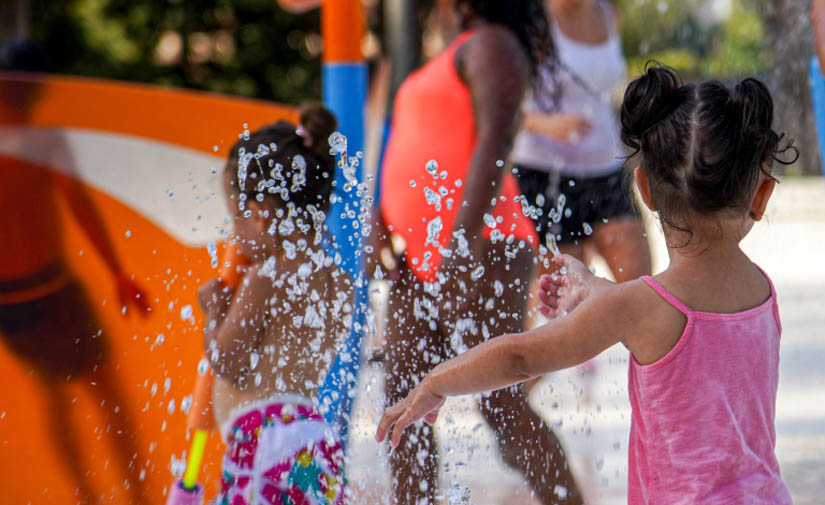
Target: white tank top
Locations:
point(589, 76)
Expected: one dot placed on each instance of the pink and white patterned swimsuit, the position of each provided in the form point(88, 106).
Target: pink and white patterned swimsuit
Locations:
point(281, 452)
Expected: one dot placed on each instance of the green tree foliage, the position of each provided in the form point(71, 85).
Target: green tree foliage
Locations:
point(700, 38)
point(245, 47)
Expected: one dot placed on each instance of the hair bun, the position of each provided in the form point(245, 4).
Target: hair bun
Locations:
point(648, 100)
point(318, 124)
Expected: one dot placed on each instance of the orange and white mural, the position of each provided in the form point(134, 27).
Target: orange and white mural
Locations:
point(109, 197)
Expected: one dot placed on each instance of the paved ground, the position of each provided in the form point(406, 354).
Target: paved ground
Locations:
point(592, 413)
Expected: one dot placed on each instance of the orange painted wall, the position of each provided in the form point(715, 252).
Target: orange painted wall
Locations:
point(169, 271)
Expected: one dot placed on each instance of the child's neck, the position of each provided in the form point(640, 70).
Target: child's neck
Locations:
point(703, 256)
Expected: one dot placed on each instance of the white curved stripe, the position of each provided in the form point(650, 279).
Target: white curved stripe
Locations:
point(140, 173)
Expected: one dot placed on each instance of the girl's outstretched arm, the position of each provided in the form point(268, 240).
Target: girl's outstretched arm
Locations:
point(601, 320)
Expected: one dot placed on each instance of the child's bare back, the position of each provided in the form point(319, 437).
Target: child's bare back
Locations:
point(301, 312)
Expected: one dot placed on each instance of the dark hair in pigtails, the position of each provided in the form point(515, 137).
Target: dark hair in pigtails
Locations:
point(649, 102)
point(702, 147)
point(285, 164)
point(318, 123)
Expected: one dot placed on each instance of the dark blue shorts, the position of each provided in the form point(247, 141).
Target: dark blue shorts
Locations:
point(578, 203)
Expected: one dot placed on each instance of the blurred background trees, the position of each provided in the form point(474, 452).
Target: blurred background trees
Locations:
point(253, 48)
point(249, 48)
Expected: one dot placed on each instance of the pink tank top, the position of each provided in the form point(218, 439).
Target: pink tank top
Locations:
point(702, 428)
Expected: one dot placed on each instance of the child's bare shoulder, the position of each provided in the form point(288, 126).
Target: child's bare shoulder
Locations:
point(635, 309)
point(655, 325)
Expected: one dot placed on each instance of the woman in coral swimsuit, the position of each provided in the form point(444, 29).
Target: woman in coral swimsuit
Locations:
point(449, 198)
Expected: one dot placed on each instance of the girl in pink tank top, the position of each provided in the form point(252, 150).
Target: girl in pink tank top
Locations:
point(703, 335)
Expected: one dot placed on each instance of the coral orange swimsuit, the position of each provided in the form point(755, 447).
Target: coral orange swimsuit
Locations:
point(433, 119)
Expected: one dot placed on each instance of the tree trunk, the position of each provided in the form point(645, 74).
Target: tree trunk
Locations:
point(15, 16)
point(790, 38)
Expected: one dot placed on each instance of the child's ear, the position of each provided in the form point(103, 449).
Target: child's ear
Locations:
point(643, 183)
point(260, 216)
point(760, 199)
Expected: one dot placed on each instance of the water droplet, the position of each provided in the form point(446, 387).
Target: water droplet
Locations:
point(186, 312)
point(212, 249)
point(128, 233)
point(177, 466)
point(587, 228)
point(338, 143)
point(489, 220)
point(433, 231)
point(432, 168)
point(203, 366)
point(560, 491)
point(477, 273)
point(458, 494)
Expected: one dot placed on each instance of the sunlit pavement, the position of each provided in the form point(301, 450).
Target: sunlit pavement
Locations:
point(591, 413)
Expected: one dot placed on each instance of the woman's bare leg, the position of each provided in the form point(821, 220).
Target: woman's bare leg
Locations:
point(413, 347)
point(623, 244)
point(526, 443)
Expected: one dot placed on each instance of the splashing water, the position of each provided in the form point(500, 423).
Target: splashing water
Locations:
point(212, 249)
point(433, 231)
point(432, 168)
point(433, 198)
point(337, 143)
point(203, 366)
point(458, 494)
point(490, 221)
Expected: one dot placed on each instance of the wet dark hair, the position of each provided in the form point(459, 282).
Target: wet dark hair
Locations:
point(528, 21)
point(284, 162)
point(702, 146)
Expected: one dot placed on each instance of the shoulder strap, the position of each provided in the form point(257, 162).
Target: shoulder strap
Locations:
point(774, 300)
point(661, 291)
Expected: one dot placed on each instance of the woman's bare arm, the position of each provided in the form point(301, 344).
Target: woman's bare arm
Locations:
point(496, 70)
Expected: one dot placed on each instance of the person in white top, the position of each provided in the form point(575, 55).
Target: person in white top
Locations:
point(568, 157)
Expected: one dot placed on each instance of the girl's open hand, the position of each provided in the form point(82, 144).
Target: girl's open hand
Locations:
point(421, 402)
point(563, 290)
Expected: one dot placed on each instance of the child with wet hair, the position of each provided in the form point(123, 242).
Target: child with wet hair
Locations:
point(703, 335)
point(272, 339)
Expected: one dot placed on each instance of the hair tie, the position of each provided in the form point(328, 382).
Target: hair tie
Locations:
point(304, 134)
